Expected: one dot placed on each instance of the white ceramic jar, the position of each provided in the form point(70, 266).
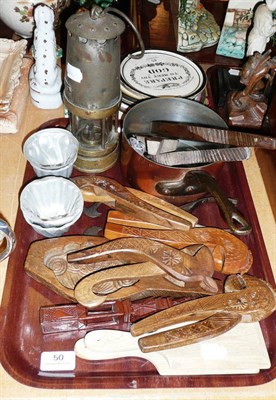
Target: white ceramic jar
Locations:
point(18, 14)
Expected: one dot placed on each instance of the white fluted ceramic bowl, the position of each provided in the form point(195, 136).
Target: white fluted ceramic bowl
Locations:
point(52, 151)
point(51, 205)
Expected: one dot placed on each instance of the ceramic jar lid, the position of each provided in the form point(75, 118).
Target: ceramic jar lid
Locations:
point(162, 73)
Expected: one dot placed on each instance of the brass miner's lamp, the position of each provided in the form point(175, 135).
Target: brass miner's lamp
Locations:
point(92, 92)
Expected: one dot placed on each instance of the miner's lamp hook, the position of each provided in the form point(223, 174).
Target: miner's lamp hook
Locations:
point(139, 37)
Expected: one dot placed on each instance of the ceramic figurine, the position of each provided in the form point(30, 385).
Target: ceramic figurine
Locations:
point(238, 18)
point(197, 27)
point(264, 26)
point(45, 75)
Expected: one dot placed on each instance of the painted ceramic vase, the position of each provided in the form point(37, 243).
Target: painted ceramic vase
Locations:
point(18, 14)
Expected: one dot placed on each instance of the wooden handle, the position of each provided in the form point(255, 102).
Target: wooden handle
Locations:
point(120, 218)
point(181, 266)
point(115, 231)
point(181, 130)
point(230, 254)
point(123, 200)
point(105, 282)
point(253, 303)
point(209, 328)
point(164, 205)
point(132, 282)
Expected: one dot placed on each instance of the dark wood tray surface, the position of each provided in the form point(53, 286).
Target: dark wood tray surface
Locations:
point(22, 340)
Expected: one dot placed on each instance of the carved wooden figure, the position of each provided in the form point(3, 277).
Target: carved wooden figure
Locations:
point(247, 108)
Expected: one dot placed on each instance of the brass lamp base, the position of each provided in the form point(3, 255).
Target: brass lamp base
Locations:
point(95, 161)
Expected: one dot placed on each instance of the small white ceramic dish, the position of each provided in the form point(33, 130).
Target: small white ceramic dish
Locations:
point(52, 151)
point(51, 205)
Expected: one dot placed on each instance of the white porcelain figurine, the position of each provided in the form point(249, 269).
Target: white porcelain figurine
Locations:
point(45, 75)
point(264, 26)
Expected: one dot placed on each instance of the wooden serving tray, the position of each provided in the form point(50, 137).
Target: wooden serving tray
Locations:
point(22, 341)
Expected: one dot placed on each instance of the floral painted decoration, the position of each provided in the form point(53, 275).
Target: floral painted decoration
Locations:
point(26, 11)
